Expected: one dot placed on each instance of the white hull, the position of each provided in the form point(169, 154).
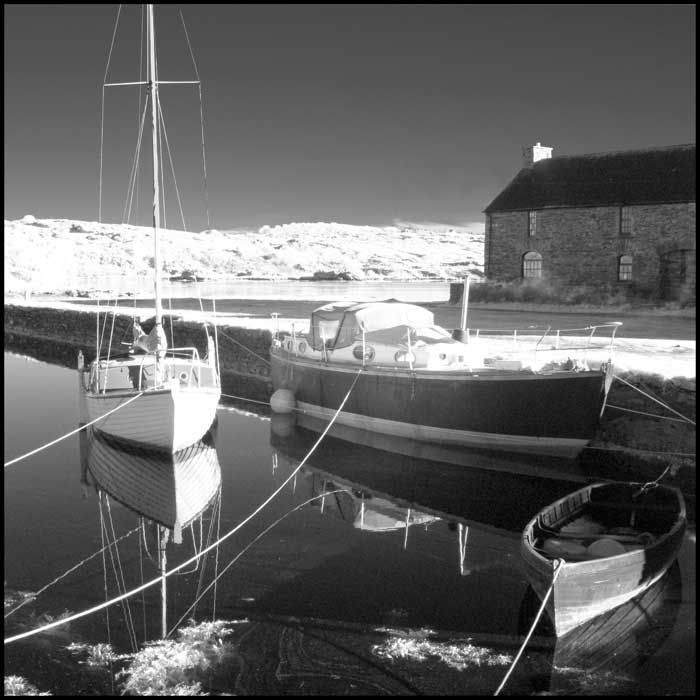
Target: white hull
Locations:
point(166, 419)
point(559, 447)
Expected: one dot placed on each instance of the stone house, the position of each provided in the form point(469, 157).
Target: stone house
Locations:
point(609, 220)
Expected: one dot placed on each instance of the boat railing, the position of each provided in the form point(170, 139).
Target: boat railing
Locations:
point(551, 340)
point(188, 375)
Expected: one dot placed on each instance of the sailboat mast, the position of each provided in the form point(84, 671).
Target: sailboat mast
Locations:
point(153, 86)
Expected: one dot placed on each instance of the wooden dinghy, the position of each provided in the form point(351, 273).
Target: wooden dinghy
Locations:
point(601, 546)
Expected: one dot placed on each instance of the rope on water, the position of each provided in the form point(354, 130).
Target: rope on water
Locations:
point(63, 575)
point(159, 579)
point(557, 568)
point(649, 396)
point(73, 432)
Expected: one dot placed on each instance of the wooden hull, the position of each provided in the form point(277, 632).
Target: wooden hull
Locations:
point(554, 414)
point(170, 489)
point(604, 654)
point(165, 419)
point(585, 589)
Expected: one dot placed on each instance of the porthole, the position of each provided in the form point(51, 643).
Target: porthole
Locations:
point(302, 347)
point(368, 354)
point(403, 356)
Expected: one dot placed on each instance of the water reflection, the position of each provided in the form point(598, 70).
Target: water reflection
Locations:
point(462, 503)
point(457, 573)
point(472, 487)
point(168, 489)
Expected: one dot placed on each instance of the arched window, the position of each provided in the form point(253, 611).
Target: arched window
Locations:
point(532, 264)
point(624, 268)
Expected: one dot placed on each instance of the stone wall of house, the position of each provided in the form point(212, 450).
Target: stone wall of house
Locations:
point(582, 246)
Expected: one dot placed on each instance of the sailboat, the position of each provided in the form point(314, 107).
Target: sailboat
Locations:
point(155, 396)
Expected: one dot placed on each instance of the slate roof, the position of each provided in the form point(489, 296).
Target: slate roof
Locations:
point(649, 176)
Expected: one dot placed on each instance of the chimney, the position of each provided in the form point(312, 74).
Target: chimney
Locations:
point(531, 154)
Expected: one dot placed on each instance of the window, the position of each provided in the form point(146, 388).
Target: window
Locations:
point(625, 221)
point(624, 268)
point(532, 223)
point(532, 264)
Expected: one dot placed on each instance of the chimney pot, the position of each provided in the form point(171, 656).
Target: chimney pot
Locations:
point(531, 154)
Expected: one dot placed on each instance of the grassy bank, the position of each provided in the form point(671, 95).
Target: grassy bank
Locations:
point(543, 293)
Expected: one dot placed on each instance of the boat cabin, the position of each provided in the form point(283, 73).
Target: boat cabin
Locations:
point(381, 333)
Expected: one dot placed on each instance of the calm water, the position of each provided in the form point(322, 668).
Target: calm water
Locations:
point(418, 290)
point(346, 559)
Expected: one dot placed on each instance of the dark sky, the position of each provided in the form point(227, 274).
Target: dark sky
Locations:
point(361, 114)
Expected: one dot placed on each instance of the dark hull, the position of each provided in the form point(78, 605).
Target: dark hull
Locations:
point(517, 411)
point(585, 589)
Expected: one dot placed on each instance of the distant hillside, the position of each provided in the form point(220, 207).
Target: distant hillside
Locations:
point(56, 255)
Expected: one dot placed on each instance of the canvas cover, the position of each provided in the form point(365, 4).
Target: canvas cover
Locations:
point(340, 324)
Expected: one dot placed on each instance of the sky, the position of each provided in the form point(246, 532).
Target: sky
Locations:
point(359, 114)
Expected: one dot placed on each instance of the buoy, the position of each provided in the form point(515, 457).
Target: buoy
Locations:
point(606, 547)
point(564, 548)
point(282, 401)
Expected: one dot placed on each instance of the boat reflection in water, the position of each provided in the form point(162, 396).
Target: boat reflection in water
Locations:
point(458, 485)
point(475, 504)
point(168, 490)
point(171, 490)
point(604, 655)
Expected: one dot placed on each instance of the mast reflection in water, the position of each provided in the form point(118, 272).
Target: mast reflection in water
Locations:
point(382, 490)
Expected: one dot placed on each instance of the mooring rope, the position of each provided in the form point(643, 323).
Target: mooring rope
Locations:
point(558, 566)
point(65, 573)
point(243, 398)
point(622, 448)
point(73, 432)
point(649, 396)
point(643, 413)
point(159, 579)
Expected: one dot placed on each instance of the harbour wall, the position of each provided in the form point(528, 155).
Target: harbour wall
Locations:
point(57, 335)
